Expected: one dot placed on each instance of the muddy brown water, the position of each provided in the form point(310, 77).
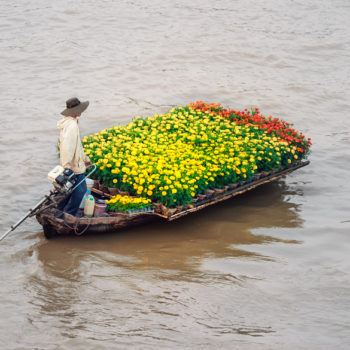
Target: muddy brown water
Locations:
point(266, 270)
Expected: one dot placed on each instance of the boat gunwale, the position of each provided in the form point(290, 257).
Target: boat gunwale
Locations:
point(214, 199)
point(239, 190)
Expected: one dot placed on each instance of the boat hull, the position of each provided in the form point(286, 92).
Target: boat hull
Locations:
point(71, 225)
point(56, 223)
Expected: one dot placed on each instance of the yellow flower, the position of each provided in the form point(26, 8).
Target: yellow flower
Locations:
point(204, 148)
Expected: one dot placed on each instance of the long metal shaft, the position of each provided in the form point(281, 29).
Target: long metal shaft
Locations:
point(13, 227)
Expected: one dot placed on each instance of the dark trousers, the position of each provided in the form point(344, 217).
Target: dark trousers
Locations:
point(71, 204)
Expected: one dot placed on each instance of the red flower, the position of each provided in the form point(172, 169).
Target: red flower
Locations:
point(275, 126)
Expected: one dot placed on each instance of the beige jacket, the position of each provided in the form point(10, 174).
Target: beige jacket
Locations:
point(72, 155)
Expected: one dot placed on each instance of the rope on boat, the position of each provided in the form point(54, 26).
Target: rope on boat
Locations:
point(75, 227)
point(84, 230)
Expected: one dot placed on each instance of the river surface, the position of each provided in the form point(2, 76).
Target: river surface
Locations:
point(269, 269)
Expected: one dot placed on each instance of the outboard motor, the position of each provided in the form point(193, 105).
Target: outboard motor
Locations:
point(63, 179)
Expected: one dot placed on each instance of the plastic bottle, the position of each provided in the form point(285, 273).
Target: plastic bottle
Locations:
point(89, 183)
point(89, 206)
point(82, 203)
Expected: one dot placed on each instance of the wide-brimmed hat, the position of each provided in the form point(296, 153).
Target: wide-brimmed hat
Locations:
point(74, 107)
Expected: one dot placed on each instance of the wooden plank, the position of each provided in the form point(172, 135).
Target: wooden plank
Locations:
point(101, 193)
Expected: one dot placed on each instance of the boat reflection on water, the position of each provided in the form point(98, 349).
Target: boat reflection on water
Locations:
point(217, 230)
point(153, 280)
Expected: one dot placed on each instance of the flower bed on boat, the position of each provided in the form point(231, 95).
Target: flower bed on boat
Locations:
point(128, 204)
point(176, 157)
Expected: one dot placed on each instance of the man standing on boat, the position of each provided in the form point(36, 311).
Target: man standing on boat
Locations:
point(72, 155)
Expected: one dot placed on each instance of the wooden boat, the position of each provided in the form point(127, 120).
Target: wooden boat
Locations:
point(71, 225)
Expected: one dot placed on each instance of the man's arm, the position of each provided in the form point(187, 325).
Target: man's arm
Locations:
point(68, 146)
point(87, 160)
